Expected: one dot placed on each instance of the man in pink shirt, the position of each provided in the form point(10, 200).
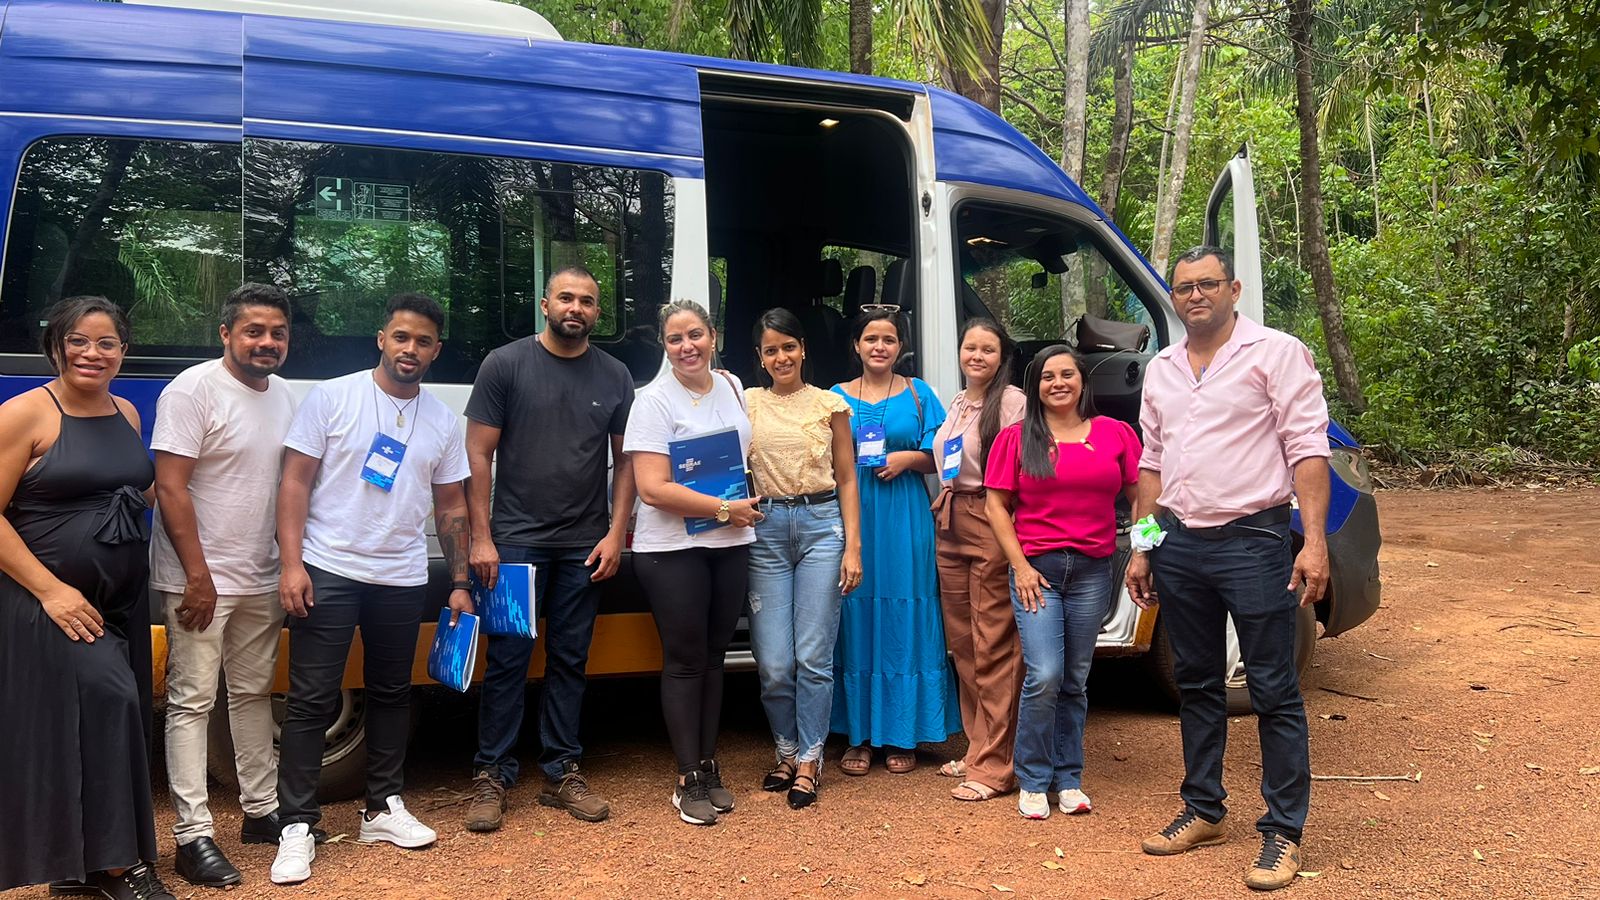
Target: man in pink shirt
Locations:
point(1235, 428)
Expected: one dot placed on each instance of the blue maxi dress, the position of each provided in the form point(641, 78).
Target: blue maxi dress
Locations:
point(893, 685)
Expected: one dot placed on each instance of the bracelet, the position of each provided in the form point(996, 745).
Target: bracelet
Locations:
point(460, 585)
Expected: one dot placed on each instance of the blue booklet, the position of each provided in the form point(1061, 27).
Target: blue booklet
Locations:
point(509, 608)
point(455, 651)
point(710, 463)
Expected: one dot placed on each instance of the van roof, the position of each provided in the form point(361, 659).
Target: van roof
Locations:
point(471, 16)
point(375, 83)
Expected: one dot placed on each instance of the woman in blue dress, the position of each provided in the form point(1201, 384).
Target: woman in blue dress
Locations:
point(893, 686)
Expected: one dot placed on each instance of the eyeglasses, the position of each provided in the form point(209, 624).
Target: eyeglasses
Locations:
point(880, 307)
point(1210, 287)
point(108, 345)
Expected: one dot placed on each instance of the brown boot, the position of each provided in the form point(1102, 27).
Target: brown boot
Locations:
point(1185, 833)
point(572, 794)
point(1277, 865)
point(488, 806)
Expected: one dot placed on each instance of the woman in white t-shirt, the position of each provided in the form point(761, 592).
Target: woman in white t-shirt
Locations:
point(695, 582)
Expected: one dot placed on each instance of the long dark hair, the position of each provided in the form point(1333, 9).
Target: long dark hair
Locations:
point(859, 327)
point(989, 419)
point(787, 324)
point(61, 317)
point(1038, 443)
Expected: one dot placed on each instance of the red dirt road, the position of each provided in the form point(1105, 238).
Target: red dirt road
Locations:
point(1480, 673)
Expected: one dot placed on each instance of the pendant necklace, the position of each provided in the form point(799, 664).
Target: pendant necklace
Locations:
point(694, 399)
point(399, 410)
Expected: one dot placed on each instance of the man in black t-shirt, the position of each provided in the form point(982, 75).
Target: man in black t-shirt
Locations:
point(550, 407)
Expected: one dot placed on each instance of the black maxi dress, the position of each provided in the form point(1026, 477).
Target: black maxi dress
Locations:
point(74, 769)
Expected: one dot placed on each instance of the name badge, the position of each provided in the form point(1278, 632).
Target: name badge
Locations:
point(871, 446)
point(383, 461)
point(952, 459)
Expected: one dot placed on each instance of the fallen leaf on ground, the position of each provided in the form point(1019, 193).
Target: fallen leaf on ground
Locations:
point(1477, 856)
point(1433, 565)
point(1346, 864)
point(1533, 767)
point(1308, 874)
point(1381, 796)
point(1060, 855)
point(916, 878)
point(1052, 864)
point(1002, 889)
point(1589, 770)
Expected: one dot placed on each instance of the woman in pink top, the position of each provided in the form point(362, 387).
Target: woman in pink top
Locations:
point(1053, 481)
point(978, 624)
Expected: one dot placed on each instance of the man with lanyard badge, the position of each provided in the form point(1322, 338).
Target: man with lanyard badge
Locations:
point(1235, 428)
point(368, 455)
point(550, 407)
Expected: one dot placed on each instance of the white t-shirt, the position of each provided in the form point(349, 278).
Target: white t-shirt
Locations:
point(663, 412)
point(235, 435)
point(356, 529)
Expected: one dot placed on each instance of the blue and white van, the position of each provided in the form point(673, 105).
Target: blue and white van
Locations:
point(159, 152)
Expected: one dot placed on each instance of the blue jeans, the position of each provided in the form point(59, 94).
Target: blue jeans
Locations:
point(1200, 583)
point(568, 601)
point(1057, 648)
point(794, 621)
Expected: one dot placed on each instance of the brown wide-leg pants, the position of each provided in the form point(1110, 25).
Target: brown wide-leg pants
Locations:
point(974, 587)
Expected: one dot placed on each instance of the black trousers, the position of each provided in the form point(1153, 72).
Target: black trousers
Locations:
point(1200, 583)
point(319, 645)
point(696, 596)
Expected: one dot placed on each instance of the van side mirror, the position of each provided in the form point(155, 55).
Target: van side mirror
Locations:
point(1040, 279)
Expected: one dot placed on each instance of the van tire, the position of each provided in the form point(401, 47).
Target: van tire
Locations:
point(1305, 645)
point(344, 756)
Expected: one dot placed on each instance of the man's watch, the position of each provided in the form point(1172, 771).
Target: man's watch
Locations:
point(460, 585)
point(724, 512)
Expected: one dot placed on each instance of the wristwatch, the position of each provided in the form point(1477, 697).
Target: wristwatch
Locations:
point(724, 512)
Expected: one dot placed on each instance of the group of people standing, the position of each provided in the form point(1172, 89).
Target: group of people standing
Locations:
point(855, 584)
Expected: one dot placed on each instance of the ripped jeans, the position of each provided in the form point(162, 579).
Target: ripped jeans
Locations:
point(794, 621)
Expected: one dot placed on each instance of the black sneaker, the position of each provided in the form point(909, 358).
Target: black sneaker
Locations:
point(265, 830)
point(66, 887)
point(693, 802)
point(138, 883)
point(202, 863)
point(721, 798)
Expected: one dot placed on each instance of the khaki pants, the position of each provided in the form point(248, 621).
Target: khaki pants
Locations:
point(975, 590)
point(242, 641)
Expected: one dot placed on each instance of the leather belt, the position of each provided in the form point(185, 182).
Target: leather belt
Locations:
point(817, 499)
point(1253, 525)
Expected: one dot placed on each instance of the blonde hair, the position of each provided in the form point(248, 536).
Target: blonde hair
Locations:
point(681, 305)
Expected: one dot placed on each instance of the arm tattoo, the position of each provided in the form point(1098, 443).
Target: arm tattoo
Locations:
point(453, 541)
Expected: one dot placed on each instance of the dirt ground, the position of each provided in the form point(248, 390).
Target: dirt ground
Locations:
point(1477, 678)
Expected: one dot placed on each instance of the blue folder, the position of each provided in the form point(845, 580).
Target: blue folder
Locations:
point(455, 651)
point(509, 608)
point(710, 463)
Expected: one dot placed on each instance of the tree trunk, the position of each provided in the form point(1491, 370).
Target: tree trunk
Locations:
point(1167, 212)
point(986, 89)
point(1074, 128)
point(1319, 263)
point(1372, 161)
point(1097, 303)
point(861, 37)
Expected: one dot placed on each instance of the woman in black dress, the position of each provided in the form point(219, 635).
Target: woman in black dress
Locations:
point(74, 620)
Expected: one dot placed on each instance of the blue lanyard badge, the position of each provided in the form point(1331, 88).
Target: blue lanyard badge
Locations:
point(951, 466)
point(383, 461)
point(871, 447)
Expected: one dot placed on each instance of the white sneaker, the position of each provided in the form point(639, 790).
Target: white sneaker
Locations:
point(296, 849)
point(397, 826)
point(1073, 802)
point(1033, 804)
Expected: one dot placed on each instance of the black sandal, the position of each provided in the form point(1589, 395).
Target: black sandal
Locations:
point(781, 776)
point(803, 795)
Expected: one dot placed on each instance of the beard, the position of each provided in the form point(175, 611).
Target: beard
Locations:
point(392, 367)
point(257, 365)
point(572, 329)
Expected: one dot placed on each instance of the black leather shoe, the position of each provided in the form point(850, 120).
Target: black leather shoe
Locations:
point(201, 862)
point(66, 887)
point(138, 883)
point(265, 830)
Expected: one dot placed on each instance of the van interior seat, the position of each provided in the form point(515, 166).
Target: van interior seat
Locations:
point(859, 288)
point(827, 336)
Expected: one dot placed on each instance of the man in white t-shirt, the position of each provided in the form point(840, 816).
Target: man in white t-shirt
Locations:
point(368, 455)
point(214, 568)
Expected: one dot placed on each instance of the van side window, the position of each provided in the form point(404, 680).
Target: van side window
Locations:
point(343, 227)
point(152, 225)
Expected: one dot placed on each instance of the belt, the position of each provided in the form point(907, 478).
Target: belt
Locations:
point(816, 499)
point(1253, 525)
point(944, 504)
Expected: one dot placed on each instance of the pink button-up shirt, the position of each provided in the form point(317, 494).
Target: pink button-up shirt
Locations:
point(1225, 444)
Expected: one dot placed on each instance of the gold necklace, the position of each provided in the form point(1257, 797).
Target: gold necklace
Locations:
point(694, 399)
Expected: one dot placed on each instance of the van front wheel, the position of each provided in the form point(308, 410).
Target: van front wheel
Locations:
point(1305, 644)
point(344, 751)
